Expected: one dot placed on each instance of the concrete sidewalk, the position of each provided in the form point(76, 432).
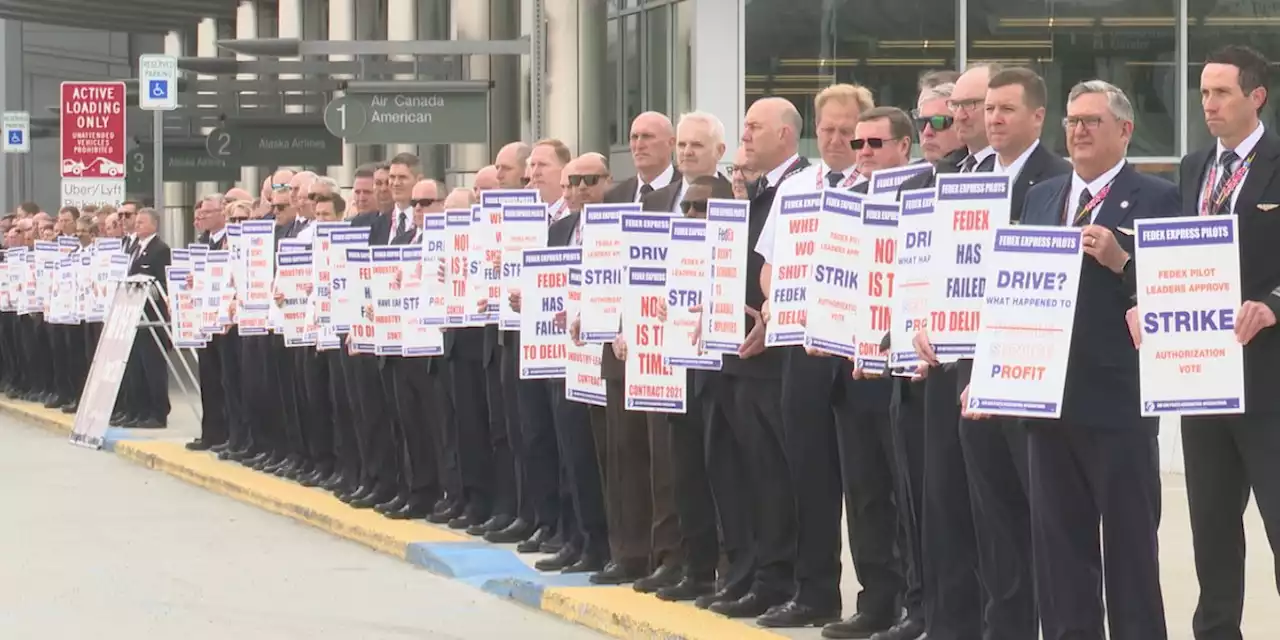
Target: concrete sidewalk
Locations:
point(617, 611)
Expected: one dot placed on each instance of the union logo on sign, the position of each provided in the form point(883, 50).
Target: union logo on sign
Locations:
point(93, 130)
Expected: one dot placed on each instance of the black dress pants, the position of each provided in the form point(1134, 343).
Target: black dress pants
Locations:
point(471, 431)
point(261, 409)
point(286, 396)
point(319, 413)
point(531, 497)
point(536, 420)
point(213, 402)
point(1082, 476)
point(421, 406)
point(1227, 459)
point(151, 390)
point(695, 500)
point(906, 418)
point(229, 350)
point(588, 524)
point(380, 454)
point(92, 335)
point(346, 446)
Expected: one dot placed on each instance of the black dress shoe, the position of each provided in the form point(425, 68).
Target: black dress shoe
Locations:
point(907, 629)
point(313, 479)
point(297, 470)
point(357, 494)
point(270, 461)
point(220, 447)
point(518, 531)
point(664, 576)
point(150, 423)
point(723, 595)
point(128, 422)
point(535, 541)
point(71, 407)
point(566, 557)
point(412, 510)
point(335, 480)
point(619, 573)
point(395, 504)
point(466, 521)
point(749, 606)
point(372, 500)
point(198, 445)
point(280, 463)
point(52, 402)
point(687, 589)
point(235, 455)
point(587, 563)
point(494, 523)
point(552, 544)
point(793, 615)
point(448, 513)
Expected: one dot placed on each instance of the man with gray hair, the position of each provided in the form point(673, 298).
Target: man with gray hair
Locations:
point(1101, 421)
point(150, 378)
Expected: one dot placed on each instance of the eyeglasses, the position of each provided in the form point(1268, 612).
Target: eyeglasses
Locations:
point(693, 205)
point(1090, 122)
point(939, 123)
point(279, 207)
point(956, 106)
point(590, 179)
point(874, 143)
point(280, 186)
point(239, 218)
point(424, 202)
point(125, 214)
point(737, 168)
point(316, 197)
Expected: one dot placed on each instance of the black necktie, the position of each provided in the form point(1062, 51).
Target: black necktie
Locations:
point(645, 190)
point(967, 165)
point(1081, 218)
point(833, 178)
point(1226, 162)
point(400, 223)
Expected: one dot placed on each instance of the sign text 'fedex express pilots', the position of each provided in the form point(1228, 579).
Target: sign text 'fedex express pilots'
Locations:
point(1188, 279)
point(972, 206)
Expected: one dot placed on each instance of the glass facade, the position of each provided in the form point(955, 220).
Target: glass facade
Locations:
point(794, 49)
point(649, 49)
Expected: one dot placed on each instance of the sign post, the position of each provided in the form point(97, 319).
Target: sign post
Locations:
point(17, 132)
point(92, 138)
point(157, 92)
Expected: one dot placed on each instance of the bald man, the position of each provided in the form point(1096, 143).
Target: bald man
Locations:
point(644, 529)
point(415, 389)
point(237, 193)
point(486, 178)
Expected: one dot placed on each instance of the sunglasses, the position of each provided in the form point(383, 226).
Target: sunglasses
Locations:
point(279, 207)
point(939, 123)
point(590, 180)
point(424, 202)
point(874, 143)
point(125, 214)
point(693, 205)
point(239, 218)
point(281, 186)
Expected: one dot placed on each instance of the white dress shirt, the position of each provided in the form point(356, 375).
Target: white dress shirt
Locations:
point(981, 156)
point(216, 236)
point(1078, 185)
point(659, 182)
point(1016, 168)
point(811, 178)
point(1242, 153)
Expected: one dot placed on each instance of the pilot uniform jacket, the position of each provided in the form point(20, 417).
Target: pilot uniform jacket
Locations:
point(1258, 220)
point(151, 260)
point(611, 368)
point(1102, 371)
point(1041, 165)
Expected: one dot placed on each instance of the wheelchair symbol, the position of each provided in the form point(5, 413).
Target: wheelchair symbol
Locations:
point(159, 89)
point(15, 137)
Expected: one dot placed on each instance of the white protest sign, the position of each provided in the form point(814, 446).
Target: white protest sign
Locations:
point(384, 296)
point(879, 273)
point(834, 293)
point(688, 276)
point(971, 206)
point(793, 254)
point(913, 282)
point(488, 247)
point(582, 380)
point(259, 254)
point(724, 315)
point(544, 287)
point(345, 288)
point(293, 273)
point(524, 226)
point(1188, 279)
point(421, 338)
point(603, 263)
point(651, 384)
point(458, 270)
point(1024, 343)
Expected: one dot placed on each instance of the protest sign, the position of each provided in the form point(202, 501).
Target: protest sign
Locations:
point(582, 380)
point(524, 226)
point(1188, 279)
point(457, 267)
point(885, 183)
point(834, 292)
point(688, 277)
point(724, 314)
point(651, 384)
point(421, 338)
point(106, 369)
point(603, 264)
point(217, 293)
point(294, 271)
point(345, 287)
point(544, 286)
point(183, 318)
point(360, 265)
point(255, 295)
point(879, 273)
point(385, 298)
point(488, 247)
point(913, 279)
point(971, 207)
point(793, 253)
point(434, 290)
point(1024, 339)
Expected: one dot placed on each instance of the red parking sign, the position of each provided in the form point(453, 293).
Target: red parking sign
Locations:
point(93, 142)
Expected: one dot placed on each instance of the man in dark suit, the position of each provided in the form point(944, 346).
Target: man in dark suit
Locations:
point(151, 386)
point(214, 417)
point(381, 455)
point(644, 530)
point(699, 146)
point(1100, 460)
point(995, 451)
point(952, 595)
point(282, 366)
point(1229, 456)
point(583, 523)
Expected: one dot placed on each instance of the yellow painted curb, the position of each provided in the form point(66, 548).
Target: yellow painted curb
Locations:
point(49, 419)
point(312, 506)
point(622, 612)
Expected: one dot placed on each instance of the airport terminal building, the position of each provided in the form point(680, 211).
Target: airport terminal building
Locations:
point(607, 60)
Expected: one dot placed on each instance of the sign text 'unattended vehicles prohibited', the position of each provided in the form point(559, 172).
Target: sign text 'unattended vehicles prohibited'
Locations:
point(93, 131)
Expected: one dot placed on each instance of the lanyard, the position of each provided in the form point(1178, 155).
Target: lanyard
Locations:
point(820, 179)
point(795, 167)
point(1088, 207)
point(1227, 189)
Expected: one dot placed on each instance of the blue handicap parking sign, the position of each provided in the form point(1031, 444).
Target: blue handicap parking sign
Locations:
point(158, 88)
point(15, 136)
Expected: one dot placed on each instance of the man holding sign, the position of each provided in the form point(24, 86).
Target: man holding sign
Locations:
point(1098, 461)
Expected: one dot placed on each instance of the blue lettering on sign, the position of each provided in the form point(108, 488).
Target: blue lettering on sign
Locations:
point(547, 328)
point(435, 246)
point(552, 304)
point(844, 278)
point(920, 239)
point(789, 294)
point(474, 267)
point(1047, 280)
point(969, 254)
point(965, 287)
point(649, 253)
point(1189, 321)
point(601, 276)
point(683, 298)
point(510, 270)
